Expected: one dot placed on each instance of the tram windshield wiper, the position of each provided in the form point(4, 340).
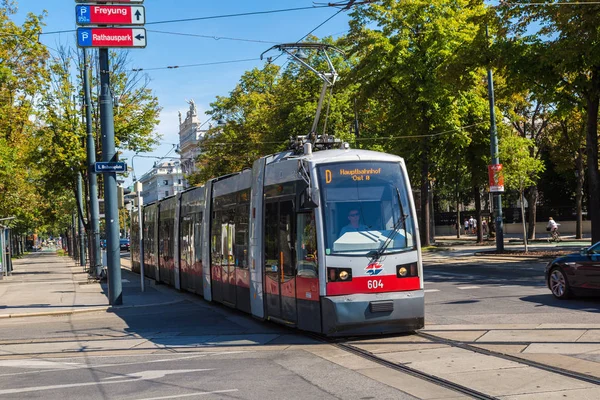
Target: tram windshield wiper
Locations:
point(376, 254)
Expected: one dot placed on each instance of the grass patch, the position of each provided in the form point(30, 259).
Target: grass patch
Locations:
point(434, 248)
point(61, 252)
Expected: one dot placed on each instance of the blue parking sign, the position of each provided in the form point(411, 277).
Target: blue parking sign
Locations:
point(82, 14)
point(84, 37)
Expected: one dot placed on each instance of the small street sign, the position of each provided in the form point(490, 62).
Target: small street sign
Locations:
point(111, 37)
point(107, 166)
point(110, 15)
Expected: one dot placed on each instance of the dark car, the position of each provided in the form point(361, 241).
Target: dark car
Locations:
point(573, 274)
point(124, 244)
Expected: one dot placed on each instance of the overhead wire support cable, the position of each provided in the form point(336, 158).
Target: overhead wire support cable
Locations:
point(194, 65)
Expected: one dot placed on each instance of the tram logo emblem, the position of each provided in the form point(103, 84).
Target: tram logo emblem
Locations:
point(374, 269)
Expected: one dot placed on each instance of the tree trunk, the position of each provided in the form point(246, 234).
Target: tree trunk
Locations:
point(458, 223)
point(523, 220)
point(579, 196)
point(425, 231)
point(477, 197)
point(592, 155)
point(532, 198)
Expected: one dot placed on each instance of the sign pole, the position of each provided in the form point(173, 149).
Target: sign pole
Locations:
point(140, 199)
point(495, 160)
point(113, 256)
point(96, 259)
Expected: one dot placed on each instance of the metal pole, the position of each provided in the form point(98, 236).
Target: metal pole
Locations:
point(495, 160)
point(74, 236)
point(3, 267)
point(80, 214)
point(96, 259)
point(138, 187)
point(113, 256)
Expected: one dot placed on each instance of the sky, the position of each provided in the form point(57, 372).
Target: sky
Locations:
point(203, 84)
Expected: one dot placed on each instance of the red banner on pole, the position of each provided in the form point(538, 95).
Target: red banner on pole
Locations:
point(496, 178)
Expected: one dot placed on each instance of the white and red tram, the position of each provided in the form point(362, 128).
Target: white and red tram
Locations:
point(278, 241)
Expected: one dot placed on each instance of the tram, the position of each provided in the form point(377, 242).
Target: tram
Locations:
point(324, 241)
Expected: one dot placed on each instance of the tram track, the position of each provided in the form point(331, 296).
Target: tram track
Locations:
point(436, 380)
point(414, 372)
point(549, 368)
point(347, 345)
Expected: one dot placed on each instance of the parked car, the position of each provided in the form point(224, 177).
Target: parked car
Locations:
point(124, 244)
point(574, 274)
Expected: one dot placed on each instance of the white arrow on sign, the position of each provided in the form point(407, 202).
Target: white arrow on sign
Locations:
point(139, 37)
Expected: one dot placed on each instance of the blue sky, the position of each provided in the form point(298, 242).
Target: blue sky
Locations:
point(174, 86)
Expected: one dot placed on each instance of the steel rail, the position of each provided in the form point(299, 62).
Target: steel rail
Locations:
point(405, 369)
point(557, 370)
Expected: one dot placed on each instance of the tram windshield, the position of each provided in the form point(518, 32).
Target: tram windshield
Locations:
point(366, 208)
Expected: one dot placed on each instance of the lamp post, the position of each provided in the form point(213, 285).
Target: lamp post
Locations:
point(495, 159)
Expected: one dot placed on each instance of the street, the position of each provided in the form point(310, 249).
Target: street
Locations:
point(191, 348)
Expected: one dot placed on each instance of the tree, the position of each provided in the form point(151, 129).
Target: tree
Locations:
point(521, 169)
point(566, 55)
point(411, 57)
point(22, 79)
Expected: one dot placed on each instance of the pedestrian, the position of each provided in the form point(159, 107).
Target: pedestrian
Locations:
point(471, 224)
point(466, 226)
point(484, 227)
point(474, 225)
point(552, 225)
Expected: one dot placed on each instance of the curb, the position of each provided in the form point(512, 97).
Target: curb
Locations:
point(86, 310)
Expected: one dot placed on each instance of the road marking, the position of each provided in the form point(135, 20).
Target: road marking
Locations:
point(62, 366)
point(189, 394)
point(37, 364)
point(468, 287)
point(157, 373)
point(431, 290)
point(142, 374)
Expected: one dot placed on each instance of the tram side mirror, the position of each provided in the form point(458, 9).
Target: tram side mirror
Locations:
point(308, 200)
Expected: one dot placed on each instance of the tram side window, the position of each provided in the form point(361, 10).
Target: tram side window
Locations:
point(216, 250)
point(241, 236)
point(306, 246)
point(197, 243)
point(271, 230)
point(286, 238)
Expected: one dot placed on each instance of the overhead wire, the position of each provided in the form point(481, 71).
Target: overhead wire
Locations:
point(195, 65)
point(364, 138)
point(211, 37)
point(212, 17)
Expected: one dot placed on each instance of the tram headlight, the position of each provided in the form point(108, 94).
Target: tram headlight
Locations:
point(406, 270)
point(339, 274)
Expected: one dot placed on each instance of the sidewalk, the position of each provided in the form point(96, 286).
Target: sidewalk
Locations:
point(44, 283)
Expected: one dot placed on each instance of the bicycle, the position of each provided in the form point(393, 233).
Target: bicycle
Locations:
point(554, 236)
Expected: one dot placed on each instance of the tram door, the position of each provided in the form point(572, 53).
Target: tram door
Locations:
point(280, 261)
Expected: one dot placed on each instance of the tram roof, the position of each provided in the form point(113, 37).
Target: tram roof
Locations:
point(337, 155)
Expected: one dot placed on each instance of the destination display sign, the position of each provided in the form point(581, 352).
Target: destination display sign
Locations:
point(356, 174)
point(110, 15)
point(111, 37)
point(107, 166)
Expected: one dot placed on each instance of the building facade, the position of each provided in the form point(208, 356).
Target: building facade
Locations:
point(190, 134)
point(163, 180)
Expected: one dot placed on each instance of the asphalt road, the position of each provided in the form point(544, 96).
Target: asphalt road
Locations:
point(487, 290)
point(193, 350)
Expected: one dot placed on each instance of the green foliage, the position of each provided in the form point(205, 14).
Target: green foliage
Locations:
point(521, 170)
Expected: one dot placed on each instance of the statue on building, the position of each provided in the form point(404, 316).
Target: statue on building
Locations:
point(179, 112)
point(193, 110)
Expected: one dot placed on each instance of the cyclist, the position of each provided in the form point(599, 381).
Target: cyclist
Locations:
point(552, 227)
